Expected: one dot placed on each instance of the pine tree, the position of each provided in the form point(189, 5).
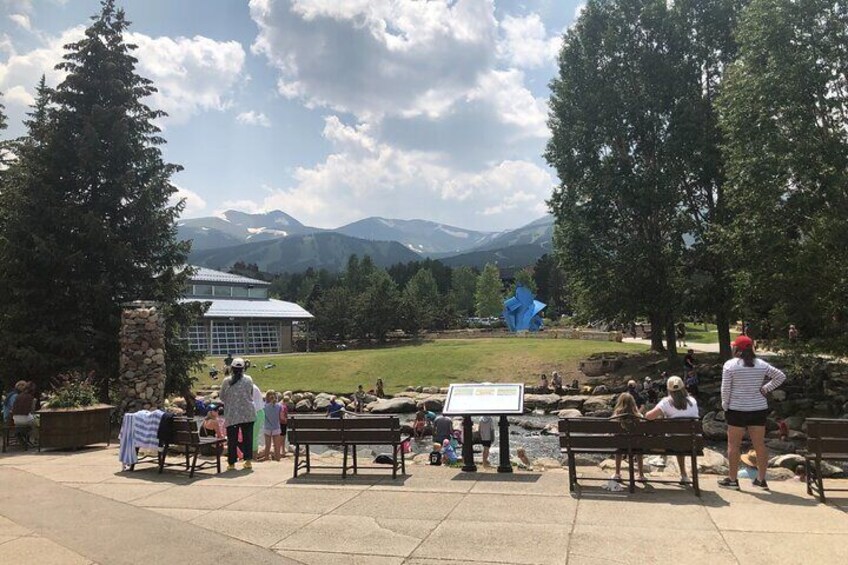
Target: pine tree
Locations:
point(463, 286)
point(419, 302)
point(489, 295)
point(92, 226)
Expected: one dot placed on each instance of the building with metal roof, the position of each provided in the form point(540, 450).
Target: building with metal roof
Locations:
point(242, 319)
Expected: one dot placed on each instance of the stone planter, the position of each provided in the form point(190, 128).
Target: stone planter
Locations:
point(64, 428)
point(600, 366)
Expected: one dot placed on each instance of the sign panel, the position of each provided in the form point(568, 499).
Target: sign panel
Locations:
point(479, 399)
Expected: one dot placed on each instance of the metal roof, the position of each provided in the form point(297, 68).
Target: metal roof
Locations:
point(204, 275)
point(271, 308)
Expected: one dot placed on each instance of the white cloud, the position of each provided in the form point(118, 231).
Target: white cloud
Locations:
point(513, 102)
point(525, 42)
point(376, 57)
point(252, 118)
point(192, 75)
point(366, 177)
point(194, 204)
point(22, 20)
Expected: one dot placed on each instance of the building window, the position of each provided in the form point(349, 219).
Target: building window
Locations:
point(223, 291)
point(203, 290)
point(227, 337)
point(263, 337)
point(239, 292)
point(198, 337)
point(258, 292)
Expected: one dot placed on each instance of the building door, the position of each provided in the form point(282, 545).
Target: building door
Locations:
point(263, 337)
point(227, 337)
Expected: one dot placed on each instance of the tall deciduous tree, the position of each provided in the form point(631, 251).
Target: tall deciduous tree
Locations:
point(92, 224)
point(619, 232)
point(784, 110)
point(420, 301)
point(488, 298)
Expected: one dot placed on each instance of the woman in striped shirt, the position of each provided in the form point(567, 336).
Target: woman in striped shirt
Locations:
point(745, 382)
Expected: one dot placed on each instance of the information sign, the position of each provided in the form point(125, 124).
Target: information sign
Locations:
point(490, 399)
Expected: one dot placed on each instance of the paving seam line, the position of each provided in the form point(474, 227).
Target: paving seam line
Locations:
point(720, 533)
point(34, 534)
point(442, 521)
point(571, 531)
point(273, 547)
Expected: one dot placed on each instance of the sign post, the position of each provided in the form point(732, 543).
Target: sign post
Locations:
point(487, 399)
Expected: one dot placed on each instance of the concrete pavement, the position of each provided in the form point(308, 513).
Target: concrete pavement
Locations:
point(79, 508)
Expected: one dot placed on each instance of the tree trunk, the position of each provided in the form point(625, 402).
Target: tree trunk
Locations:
point(723, 326)
point(656, 333)
point(188, 395)
point(671, 344)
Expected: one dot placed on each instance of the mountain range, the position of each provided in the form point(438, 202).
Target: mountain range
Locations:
point(277, 242)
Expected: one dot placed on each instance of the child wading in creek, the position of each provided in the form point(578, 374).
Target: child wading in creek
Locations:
point(271, 426)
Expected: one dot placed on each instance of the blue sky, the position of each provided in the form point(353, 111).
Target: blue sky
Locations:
point(331, 110)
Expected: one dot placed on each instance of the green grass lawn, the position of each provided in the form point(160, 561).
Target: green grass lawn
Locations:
point(435, 363)
point(695, 333)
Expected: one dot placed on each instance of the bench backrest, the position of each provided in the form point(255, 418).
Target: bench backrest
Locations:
point(185, 431)
point(827, 436)
point(359, 430)
point(679, 434)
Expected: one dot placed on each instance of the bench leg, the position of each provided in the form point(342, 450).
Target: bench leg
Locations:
point(572, 473)
point(193, 461)
point(355, 468)
point(807, 471)
point(296, 459)
point(344, 462)
point(402, 461)
point(820, 480)
point(632, 478)
point(695, 484)
point(187, 455)
point(308, 462)
point(161, 456)
point(218, 449)
point(394, 461)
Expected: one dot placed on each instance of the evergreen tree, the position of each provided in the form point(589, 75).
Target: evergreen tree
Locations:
point(420, 302)
point(334, 314)
point(377, 306)
point(525, 278)
point(463, 287)
point(488, 298)
point(551, 285)
point(92, 227)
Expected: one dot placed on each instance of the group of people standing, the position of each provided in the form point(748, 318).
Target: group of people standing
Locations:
point(745, 385)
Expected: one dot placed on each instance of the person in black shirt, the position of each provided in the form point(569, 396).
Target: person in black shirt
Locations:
point(633, 391)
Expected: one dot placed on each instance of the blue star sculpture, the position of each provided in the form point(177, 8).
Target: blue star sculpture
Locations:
point(521, 312)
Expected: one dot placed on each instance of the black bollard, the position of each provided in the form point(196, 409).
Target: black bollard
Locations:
point(503, 429)
point(468, 445)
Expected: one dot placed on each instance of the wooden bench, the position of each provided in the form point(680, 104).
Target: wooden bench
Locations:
point(349, 432)
point(21, 436)
point(186, 435)
point(826, 440)
point(631, 437)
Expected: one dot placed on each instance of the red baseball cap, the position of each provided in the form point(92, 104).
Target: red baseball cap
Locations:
point(743, 342)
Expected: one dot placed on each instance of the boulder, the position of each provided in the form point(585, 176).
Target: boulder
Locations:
point(434, 403)
point(547, 402)
point(590, 459)
point(304, 405)
point(530, 425)
point(430, 390)
point(547, 463)
point(789, 461)
point(598, 403)
point(569, 413)
point(321, 403)
point(795, 422)
point(572, 401)
point(780, 446)
point(600, 389)
point(715, 428)
point(393, 406)
point(551, 429)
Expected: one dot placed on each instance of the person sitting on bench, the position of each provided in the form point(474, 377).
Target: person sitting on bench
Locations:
point(678, 404)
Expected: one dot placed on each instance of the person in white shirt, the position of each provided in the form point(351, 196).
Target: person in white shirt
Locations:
point(745, 383)
point(486, 427)
point(678, 404)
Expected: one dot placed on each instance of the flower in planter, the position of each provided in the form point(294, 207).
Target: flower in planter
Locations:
point(72, 390)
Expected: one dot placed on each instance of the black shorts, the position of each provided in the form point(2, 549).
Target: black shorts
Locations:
point(486, 443)
point(283, 428)
point(740, 419)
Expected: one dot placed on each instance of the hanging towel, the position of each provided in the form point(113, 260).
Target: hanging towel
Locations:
point(127, 453)
point(147, 429)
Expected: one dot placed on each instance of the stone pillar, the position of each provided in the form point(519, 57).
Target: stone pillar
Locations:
point(142, 371)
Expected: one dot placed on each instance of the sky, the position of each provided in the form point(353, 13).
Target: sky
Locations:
point(331, 110)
